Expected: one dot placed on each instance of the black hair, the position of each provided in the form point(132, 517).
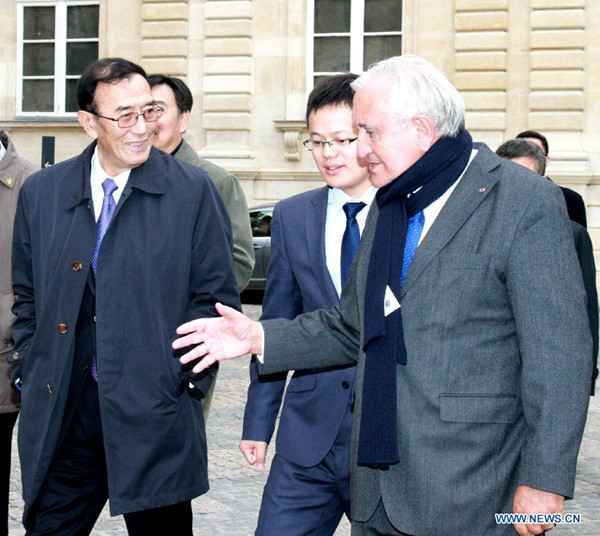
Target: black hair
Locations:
point(332, 90)
point(519, 148)
point(106, 71)
point(183, 95)
point(535, 134)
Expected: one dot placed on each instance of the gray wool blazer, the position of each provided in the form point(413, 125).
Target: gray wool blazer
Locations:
point(496, 387)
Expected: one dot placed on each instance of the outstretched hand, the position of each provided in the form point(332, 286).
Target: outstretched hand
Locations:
point(215, 339)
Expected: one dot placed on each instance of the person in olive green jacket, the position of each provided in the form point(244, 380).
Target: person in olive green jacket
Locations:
point(173, 95)
point(13, 171)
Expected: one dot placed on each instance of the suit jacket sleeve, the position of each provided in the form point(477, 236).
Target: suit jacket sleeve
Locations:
point(211, 276)
point(319, 339)
point(243, 250)
point(282, 300)
point(546, 292)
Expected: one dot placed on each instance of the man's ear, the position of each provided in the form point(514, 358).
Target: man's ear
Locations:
point(184, 121)
point(88, 121)
point(426, 133)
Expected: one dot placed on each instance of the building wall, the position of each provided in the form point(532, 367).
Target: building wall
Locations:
point(519, 64)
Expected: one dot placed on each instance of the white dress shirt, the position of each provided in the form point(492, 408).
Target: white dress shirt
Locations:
point(2, 151)
point(335, 225)
point(97, 177)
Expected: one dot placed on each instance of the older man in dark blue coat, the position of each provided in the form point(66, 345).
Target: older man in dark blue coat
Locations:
point(107, 409)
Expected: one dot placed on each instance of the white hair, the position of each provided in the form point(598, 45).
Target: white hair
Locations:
point(420, 88)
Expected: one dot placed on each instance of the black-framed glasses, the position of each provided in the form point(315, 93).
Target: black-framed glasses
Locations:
point(151, 115)
point(319, 145)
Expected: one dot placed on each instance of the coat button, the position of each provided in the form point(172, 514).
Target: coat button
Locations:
point(62, 328)
point(15, 356)
point(345, 385)
point(77, 266)
point(50, 389)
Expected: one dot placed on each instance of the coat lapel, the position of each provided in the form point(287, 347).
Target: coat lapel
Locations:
point(475, 185)
point(314, 225)
point(149, 177)
point(77, 187)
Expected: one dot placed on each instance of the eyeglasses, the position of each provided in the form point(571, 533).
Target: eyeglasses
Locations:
point(319, 145)
point(151, 115)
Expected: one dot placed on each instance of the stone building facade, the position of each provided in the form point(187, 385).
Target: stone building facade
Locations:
point(520, 64)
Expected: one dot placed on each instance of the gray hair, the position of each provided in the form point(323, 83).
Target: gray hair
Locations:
point(420, 89)
point(522, 148)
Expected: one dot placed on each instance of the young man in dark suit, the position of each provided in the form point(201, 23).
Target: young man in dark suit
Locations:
point(308, 487)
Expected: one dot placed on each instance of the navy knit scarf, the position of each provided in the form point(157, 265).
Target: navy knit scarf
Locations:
point(433, 173)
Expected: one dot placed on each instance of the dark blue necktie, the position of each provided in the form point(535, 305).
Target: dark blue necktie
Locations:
point(351, 238)
point(106, 215)
point(413, 233)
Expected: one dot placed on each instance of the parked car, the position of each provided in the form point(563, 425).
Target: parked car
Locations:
point(260, 221)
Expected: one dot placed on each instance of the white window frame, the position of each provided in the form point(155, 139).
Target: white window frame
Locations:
point(357, 33)
point(60, 54)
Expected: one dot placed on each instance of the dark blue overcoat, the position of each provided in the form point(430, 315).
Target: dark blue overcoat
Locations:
point(165, 259)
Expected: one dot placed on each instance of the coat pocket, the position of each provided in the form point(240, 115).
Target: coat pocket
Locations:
point(174, 369)
point(302, 382)
point(477, 408)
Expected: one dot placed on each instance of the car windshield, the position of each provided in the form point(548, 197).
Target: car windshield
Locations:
point(260, 220)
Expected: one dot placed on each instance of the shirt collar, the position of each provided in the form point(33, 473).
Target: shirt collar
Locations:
point(2, 150)
point(338, 198)
point(98, 175)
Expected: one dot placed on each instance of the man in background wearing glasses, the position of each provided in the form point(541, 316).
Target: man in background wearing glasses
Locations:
point(314, 237)
point(112, 250)
point(176, 101)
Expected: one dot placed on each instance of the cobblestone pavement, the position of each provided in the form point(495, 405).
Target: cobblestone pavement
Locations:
point(231, 506)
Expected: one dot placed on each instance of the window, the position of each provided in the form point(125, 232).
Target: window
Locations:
point(350, 35)
point(57, 40)
point(260, 221)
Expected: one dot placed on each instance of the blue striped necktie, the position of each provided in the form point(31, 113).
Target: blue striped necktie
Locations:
point(106, 215)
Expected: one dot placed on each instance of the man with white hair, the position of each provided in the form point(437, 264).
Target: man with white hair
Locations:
point(465, 312)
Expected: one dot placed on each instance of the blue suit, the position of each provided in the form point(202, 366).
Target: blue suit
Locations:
point(311, 463)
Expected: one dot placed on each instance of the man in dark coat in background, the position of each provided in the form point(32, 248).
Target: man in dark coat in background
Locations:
point(112, 249)
point(574, 201)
